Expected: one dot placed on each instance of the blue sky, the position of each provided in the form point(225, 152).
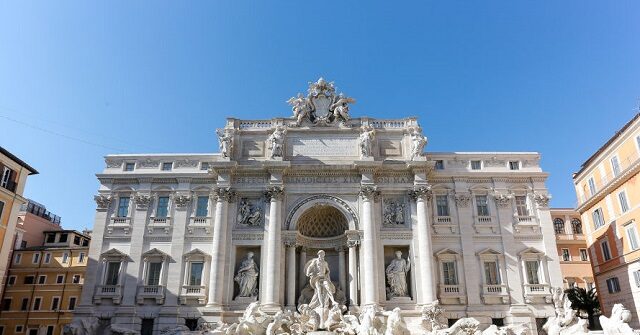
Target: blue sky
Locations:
point(79, 80)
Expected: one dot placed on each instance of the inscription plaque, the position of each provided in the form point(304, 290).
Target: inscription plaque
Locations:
point(324, 147)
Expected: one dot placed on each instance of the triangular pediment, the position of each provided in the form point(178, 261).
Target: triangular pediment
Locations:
point(530, 251)
point(196, 252)
point(155, 252)
point(488, 252)
point(114, 253)
point(446, 251)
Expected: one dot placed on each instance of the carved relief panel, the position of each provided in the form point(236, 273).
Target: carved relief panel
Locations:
point(250, 213)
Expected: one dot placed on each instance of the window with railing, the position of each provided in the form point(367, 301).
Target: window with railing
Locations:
point(482, 205)
point(113, 273)
point(202, 206)
point(442, 205)
point(450, 277)
point(532, 268)
point(123, 207)
point(162, 209)
point(576, 226)
point(558, 225)
point(521, 205)
point(492, 273)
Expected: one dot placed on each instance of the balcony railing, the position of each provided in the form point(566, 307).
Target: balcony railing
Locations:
point(449, 289)
point(528, 219)
point(108, 292)
point(443, 219)
point(497, 289)
point(193, 292)
point(150, 292)
point(484, 219)
point(536, 289)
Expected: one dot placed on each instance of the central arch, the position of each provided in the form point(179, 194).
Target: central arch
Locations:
point(326, 202)
point(322, 221)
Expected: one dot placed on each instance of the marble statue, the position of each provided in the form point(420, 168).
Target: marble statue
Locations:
point(322, 106)
point(618, 322)
point(366, 141)
point(86, 326)
point(226, 142)
point(566, 321)
point(254, 321)
point(369, 323)
point(418, 142)
point(340, 108)
point(281, 323)
point(395, 323)
point(300, 107)
point(307, 320)
point(122, 330)
point(317, 270)
point(558, 299)
point(276, 142)
point(397, 276)
point(464, 326)
point(247, 277)
point(393, 213)
point(249, 214)
point(432, 317)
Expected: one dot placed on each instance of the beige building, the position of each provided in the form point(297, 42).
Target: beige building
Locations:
point(609, 206)
point(44, 284)
point(572, 248)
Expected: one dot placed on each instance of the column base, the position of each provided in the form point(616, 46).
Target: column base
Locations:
point(271, 308)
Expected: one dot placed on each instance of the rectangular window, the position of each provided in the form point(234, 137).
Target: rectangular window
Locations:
point(532, 268)
point(1, 208)
point(29, 280)
point(153, 274)
point(42, 280)
point(613, 286)
point(449, 273)
point(202, 208)
point(514, 165)
point(476, 165)
point(129, 166)
point(63, 238)
point(76, 279)
point(25, 304)
point(6, 177)
point(195, 275)
point(491, 273)
point(521, 205)
point(482, 205)
point(81, 258)
point(636, 277)
point(36, 258)
point(18, 258)
point(113, 272)
point(55, 303)
point(50, 330)
point(615, 166)
point(65, 257)
point(76, 240)
point(123, 207)
point(147, 327)
point(565, 255)
point(51, 238)
point(19, 329)
point(442, 205)
point(624, 204)
point(6, 304)
point(59, 279)
point(632, 236)
point(47, 258)
point(598, 218)
point(162, 210)
point(12, 280)
point(72, 303)
point(167, 166)
point(583, 255)
point(36, 303)
point(606, 252)
point(592, 186)
point(33, 331)
point(439, 164)
point(204, 166)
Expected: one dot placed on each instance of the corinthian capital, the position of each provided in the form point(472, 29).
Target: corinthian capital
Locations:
point(182, 200)
point(369, 192)
point(103, 201)
point(224, 194)
point(422, 192)
point(274, 192)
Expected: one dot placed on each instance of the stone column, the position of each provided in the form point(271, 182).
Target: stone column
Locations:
point(303, 262)
point(291, 274)
point(222, 196)
point(368, 194)
point(342, 269)
point(422, 194)
point(175, 268)
point(270, 293)
point(353, 273)
point(92, 279)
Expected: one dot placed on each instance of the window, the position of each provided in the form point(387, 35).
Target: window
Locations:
point(606, 252)
point(491, 273)
point(439, 164)
point(153, 273)
point(624, 204)
point(521, 205)
point(36, 258)
point(76, 240)
point(558, 225)
point(25, 304)
point(497, 321)
point(18, 258)
point(615, 166)
point(113, 273)
point(19, 329)
point(583, 255)
point(195, 275)
point(598, 218)
point(592, 186)
point(50, 330)
point(55, 303)
point(81, 258)
point(65, 257)
point(147, 327)
point(167, 166)
point(129, 166)
point(76, 279)
point(192, 324)
point(12, 280)
point(632, 236)
point(202, 206)
point(576, 226)
point(33, 331)
point(59, 279)
point(532, 268)
point(476, 165)
point(482, 205)
point(36, 303)
point(613, 285)
point(72, 303)
point(47, 258)
point(442, 205)
point(51, 238)
point(23, 244)
point(6, 304)
point(449, 273)
point(514, 165)
point(162, 210)
point(123, 207)
point(29, 279)
point(85, 243)
point(565, 255)
point(42, 280)
point(636, 277)
point(63, 238)
point(6, 177)
point(204, 166)
point(1, 208)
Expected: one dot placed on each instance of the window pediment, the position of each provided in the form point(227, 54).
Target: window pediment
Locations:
point(115, 254)
point(156, 253)
point(196, 254)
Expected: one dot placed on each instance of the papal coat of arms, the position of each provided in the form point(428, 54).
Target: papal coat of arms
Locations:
point(322, 106)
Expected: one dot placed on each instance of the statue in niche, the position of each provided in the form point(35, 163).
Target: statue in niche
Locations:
point(394, 213)
point(247, 277)
point(248, 214)
point(317, 270)
point(226, 140)
point(366, 141)
point(397, 276)
point(418, 142)
point(276, 142)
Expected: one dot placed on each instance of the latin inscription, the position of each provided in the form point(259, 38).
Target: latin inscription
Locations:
point(321, 179)
point(326, 147)
point(393, 180)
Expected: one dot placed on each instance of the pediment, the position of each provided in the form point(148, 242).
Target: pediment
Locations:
point(156, 253)
point(115, 253)
point(488, 252)
point(196, 253)
point(446, 251)
point(530, 251)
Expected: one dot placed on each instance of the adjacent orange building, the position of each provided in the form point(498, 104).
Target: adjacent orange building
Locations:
point(572, 248)
point(608, 191)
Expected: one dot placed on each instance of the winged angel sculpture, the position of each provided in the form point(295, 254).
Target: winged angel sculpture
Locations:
point(322, 106)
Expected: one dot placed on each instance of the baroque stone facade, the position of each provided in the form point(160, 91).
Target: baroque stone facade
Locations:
point(184, 245)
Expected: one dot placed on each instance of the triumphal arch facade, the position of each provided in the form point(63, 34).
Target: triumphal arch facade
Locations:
point(321, 212)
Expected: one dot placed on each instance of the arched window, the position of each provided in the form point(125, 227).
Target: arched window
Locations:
point(576, 226)
point(558, 225)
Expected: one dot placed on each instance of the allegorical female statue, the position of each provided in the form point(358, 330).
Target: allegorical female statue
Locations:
point(317, 270)
point(397, 276)
point(247, 277)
